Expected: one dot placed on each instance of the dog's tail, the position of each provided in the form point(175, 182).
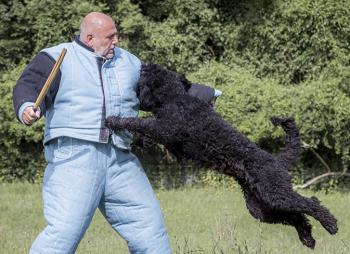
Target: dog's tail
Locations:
point(293, 146)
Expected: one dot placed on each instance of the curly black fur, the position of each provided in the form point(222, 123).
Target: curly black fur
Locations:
point(192, 130)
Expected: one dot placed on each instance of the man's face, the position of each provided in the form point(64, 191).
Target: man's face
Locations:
point(104, 40)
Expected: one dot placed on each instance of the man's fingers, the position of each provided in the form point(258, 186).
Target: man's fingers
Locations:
point(37, 113)
point(30, 115)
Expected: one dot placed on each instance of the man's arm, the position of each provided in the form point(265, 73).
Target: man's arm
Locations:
point(29, 86)
point(204, 93)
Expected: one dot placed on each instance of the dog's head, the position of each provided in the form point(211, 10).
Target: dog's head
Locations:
point(158, 85)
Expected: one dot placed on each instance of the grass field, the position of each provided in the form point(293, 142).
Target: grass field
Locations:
point(199, 220)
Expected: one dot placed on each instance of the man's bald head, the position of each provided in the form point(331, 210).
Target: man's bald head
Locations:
point(98, 31)
point(93, 22)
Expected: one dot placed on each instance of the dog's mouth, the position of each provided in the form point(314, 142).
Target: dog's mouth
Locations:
point(144, 94)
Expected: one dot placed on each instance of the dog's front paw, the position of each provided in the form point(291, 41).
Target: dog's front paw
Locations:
point(114, 123)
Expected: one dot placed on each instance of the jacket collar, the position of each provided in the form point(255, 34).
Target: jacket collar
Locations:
point(80, 43)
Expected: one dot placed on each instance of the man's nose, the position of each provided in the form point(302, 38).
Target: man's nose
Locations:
point(115, 40)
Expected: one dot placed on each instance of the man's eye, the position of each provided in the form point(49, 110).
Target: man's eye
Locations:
point(112, 36)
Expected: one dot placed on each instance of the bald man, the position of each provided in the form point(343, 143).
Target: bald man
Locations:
point(87, 165)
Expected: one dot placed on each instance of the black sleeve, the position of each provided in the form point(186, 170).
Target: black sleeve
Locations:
point(33, 79)
point(203, 92)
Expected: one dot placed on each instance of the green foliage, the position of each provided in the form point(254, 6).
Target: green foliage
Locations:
point(175, 37)
point(321, 107)
point(59, 24)
point(20, 146)
point(295, 40)
point(27, 26)
point(14, 33)
point(270, 58)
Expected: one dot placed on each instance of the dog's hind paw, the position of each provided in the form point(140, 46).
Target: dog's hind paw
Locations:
point(309, 241)
point(327, 220)
point(330, 225)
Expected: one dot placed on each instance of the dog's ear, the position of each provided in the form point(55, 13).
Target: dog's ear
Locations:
point(185, 82)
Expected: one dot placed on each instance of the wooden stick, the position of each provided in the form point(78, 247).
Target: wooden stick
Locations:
point(49, 80)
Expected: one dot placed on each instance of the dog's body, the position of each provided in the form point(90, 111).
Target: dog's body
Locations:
point(192, 130)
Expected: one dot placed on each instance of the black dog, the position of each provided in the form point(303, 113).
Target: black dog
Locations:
point(192, 130)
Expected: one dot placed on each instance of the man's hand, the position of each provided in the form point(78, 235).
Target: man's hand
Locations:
point(30, 115)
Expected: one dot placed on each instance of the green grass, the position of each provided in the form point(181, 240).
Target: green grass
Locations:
point(199, 220)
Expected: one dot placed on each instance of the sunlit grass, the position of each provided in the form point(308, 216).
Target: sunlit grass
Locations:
point(199, 220)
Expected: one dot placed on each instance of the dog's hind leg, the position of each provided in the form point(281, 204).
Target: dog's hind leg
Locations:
point(301, 224)
point(263, 213)
point(298, 220)
point(293, 202)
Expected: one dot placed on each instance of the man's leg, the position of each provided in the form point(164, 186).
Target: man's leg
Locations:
point(131, 207)
point(73, 184)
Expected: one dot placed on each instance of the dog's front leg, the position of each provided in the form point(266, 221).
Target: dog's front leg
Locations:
point(133, 124)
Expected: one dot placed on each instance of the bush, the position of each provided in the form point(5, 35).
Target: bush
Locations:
point(270, 58)
point(294, 41)
point(29, 26)
point(321, 108)
point(20, 146)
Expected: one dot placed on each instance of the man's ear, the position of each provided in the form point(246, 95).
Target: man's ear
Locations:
point(89, 40)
